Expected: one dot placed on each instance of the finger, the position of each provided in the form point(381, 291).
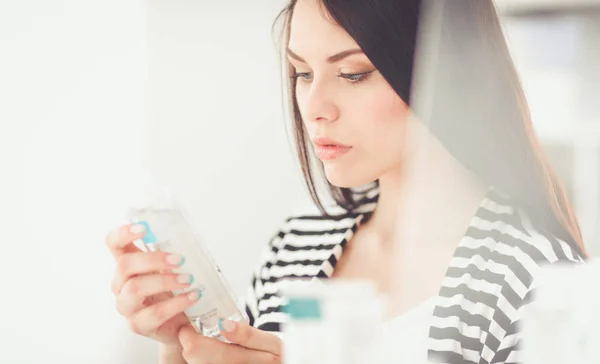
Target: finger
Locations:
point(149, 319)
point(247, 336)
point(137, 289)
point(198, 349)
point(138, 263)
point(120, 240)
point(201, 349)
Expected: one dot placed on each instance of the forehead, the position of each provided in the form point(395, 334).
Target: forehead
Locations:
point(313, 31)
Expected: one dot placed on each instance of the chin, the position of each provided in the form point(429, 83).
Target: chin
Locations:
point(344, 178)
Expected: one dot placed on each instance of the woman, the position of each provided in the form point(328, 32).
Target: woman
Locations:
point(450, 215)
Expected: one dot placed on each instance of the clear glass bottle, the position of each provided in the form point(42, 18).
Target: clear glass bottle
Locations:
point(307, 338)
point(168, 229)
point(332, 322)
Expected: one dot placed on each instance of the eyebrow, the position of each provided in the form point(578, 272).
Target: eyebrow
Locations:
point(331, 59)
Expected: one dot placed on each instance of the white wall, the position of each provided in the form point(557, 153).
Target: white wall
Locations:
point(73, 77)
point(527, 5)
point(217, 121)
point(76, 81)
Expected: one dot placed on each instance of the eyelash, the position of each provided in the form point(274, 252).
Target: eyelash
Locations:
point(361, 77)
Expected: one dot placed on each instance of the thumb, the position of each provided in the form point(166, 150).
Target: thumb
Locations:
point(187, 335)
point(242, 334)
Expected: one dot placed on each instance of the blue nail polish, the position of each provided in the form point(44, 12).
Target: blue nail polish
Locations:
point(149, 237)
point(221, 324)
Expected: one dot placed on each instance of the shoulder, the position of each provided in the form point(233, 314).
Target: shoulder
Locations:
point(494, 274)
point(508, 251)
point(309, 229)
point(517, 236)
point(520, 249)
point(310, 220)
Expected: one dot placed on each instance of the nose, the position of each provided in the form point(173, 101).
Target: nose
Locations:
point(319, 105)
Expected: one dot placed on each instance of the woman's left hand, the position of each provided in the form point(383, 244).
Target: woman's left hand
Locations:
point(249, 346)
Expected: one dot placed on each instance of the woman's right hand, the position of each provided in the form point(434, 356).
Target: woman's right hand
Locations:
point(142, 283)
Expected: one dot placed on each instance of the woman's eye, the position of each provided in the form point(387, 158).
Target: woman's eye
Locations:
point(304, 76)
point(355, 77)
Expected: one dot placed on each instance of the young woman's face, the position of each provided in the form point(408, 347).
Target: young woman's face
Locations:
point(354, 118)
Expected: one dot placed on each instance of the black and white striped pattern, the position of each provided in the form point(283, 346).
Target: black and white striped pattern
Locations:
point(477, 310)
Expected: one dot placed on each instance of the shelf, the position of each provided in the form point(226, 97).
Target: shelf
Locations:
point(545, 7)
point(583, 136)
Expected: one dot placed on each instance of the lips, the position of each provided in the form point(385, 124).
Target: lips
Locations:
point(328, 149)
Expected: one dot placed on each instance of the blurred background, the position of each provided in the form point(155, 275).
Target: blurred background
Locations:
point(100, 99)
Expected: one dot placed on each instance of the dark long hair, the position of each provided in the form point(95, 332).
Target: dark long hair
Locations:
point(491, 133)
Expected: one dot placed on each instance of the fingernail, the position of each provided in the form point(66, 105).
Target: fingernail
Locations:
point(194, 295)
point(175, 259)
point(185, 278)
point(137, 229)
point(227, 325)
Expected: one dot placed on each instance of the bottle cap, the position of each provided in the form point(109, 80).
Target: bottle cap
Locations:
point(303, 308)
point(149, 236)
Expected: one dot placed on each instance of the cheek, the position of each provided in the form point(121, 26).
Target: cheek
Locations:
point(387, 106)
point(382, 115)
point(301, 94)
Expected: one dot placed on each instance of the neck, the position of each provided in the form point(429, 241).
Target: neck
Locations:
point(429, 189)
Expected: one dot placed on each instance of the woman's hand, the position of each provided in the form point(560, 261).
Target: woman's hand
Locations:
point(249, 346)
point(142, 283)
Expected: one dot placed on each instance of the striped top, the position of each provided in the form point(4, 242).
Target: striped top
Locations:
point(478, 306)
